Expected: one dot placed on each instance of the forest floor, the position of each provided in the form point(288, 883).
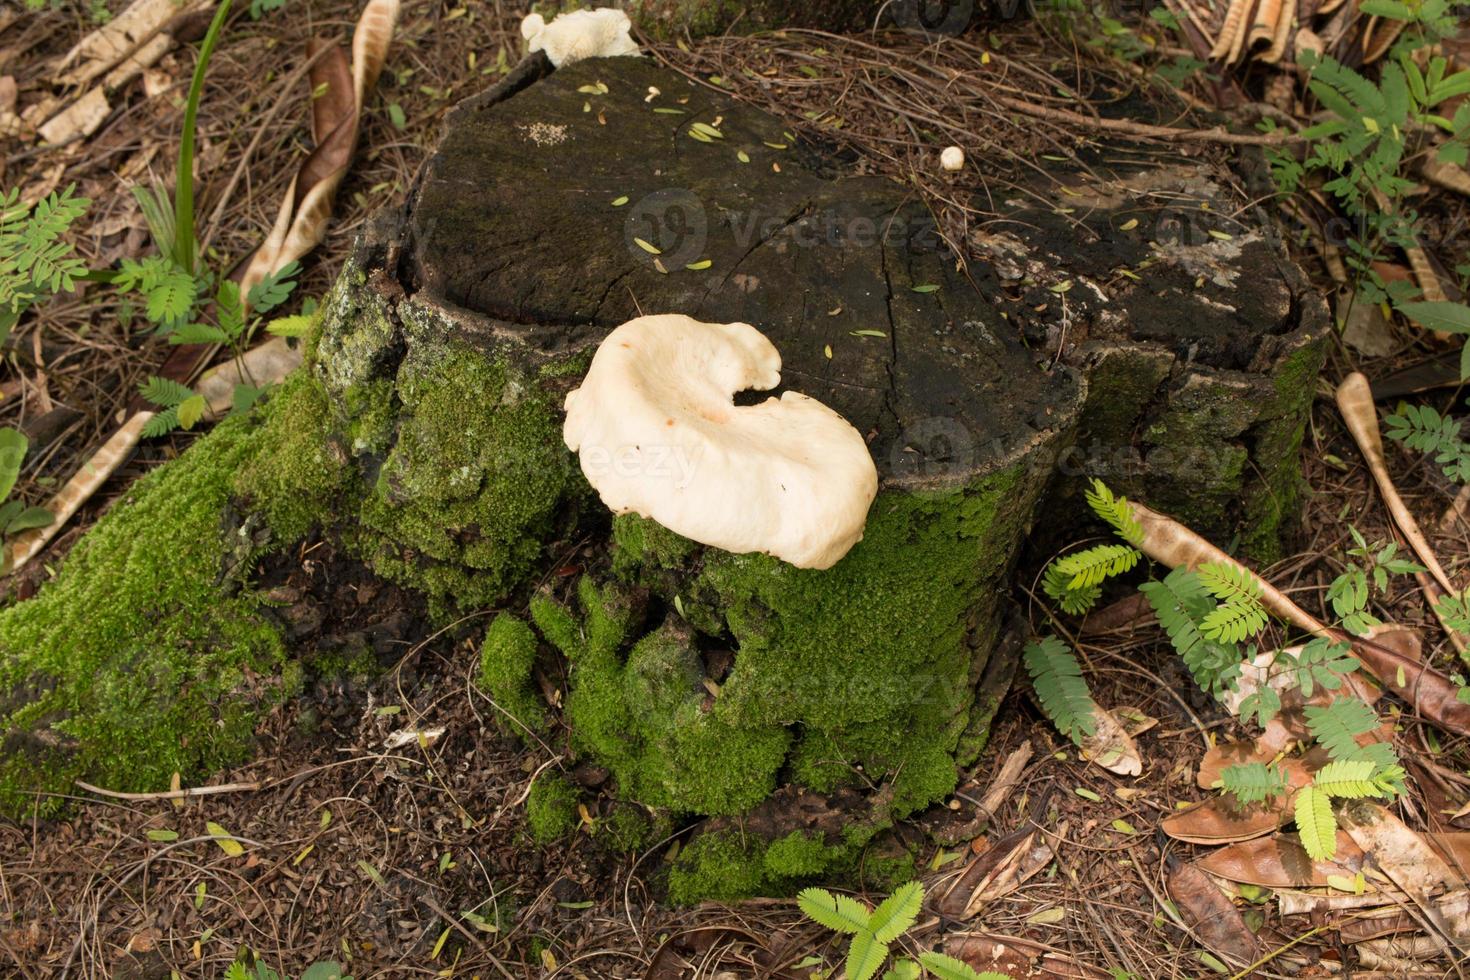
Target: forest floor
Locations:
point(411, 857)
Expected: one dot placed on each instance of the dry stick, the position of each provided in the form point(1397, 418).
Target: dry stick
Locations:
point(1218, 134)
point(173, 794)
point(1430, 692)
point(1355, 401)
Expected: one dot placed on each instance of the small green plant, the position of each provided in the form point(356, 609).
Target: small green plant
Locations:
point(15, 516)
point(1208, 613)
point(1370, 131)
point(874, 931)
point(1424, 430)
point(34, 261)
point(1349, 592)
point(325, 970)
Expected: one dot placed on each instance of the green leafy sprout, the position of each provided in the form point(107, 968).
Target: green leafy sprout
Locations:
point(874, 932)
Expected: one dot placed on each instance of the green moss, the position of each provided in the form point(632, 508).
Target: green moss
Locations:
point(551, 808)
point(469, 490)
point(718, 866)
point(860, 675)
point(727, 865)
point(646, 717)
point(631, 828)
point(506, 661)
point(133, 663)
point(1272, 504)
point(883, 867)
point(294, 483)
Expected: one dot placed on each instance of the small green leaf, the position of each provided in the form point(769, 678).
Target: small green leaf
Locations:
point(191, 410)
point(865, 956)
point(618, 202)
point(290, 326)
point(163, 836)
point(1087, 794)
point(897, 913)
point(699, 266)
point(224, 839)
point(648, 247)
point(926, 288)
point(396, 116)
point(742, 156)
point(840, 913)
point(867, 333)
point(1446, 316)
point(1316, 824)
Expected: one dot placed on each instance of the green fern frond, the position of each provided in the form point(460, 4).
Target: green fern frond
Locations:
point(1349, 779)
point(1057, 679)
point(1095, 565)
point(1232, 622)
point(840, 913)
point(865, 956)
point(1074, 602)
point(896, 914)
point(164, 422)
point(1316, 824)
point(1181, 603)
point(1337, 725)
point(1253, 782)
point(1116, 511)
point(1240, 613)
point(164, 392)
point(33, 259)
point(1228, 582)
point(948, 968)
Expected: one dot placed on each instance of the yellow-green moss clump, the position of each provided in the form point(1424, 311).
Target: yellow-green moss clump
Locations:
point(852, 678)
point(506, 661)
point(151, 652)
point(135, 662)
point(551, 808)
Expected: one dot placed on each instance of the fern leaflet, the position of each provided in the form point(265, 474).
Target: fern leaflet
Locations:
point(1349, 779)
point(840, 913)
point(1181, 602)
point(1116, 511)
point(896, 914)
point(1337, 726)
point(1240, 613)
point(1253, 782)
point(1095, 565)
point(865, 956)
point(1057, 678)
point(948, 968)
point(1315, 823)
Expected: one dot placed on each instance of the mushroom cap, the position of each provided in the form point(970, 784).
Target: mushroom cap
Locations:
point(658, 433)
point(952, 158)
point(580, 34)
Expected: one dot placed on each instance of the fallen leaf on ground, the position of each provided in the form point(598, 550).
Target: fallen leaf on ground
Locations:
point(1280, 861)
point(1110, 746)
point(1212, 916)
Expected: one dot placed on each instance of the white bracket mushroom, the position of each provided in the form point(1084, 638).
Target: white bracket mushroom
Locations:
point(658, 433)
point(580, 34)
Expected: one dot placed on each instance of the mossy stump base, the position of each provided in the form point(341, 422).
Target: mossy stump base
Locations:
point(797, 713)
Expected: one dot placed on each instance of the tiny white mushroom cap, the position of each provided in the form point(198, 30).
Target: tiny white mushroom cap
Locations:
point(952, 158)
point(580, 34)
point(658, 434)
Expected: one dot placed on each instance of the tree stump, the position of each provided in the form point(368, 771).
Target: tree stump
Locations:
point(797, 713)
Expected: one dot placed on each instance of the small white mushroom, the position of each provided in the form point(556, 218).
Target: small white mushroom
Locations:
point(953, 158)
point(658, 433)
point(580, 34)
